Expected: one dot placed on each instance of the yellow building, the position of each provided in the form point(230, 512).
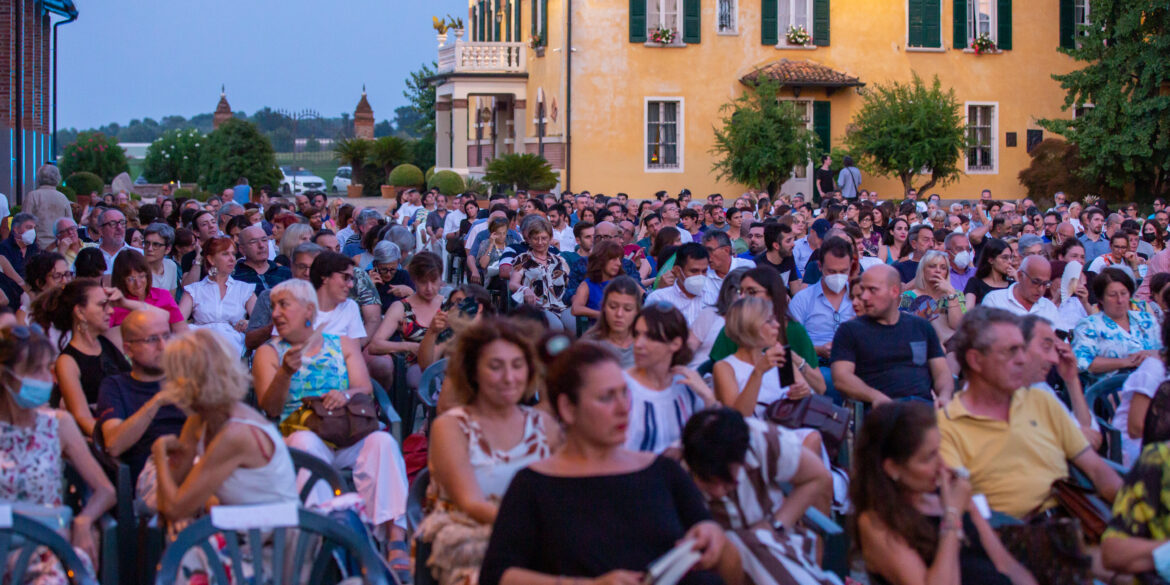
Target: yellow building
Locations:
point(620, 112)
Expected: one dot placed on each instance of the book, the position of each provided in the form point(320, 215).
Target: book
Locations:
point(670, 568)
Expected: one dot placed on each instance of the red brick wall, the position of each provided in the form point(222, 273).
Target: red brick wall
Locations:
point(36, 43)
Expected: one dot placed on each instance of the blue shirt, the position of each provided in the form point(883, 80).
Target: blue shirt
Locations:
point(275, 275)
point(11, 250)
point(242, 193)
point(1094, 249)
point(811, 309)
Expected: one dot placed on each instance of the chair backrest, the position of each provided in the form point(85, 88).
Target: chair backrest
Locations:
point(415, 499)
point(431, 382)
point(24, 536)
point(318, 471)
point(1104, 396)
point(317, 538)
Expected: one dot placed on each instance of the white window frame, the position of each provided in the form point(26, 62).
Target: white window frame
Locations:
point(994, 169)
point(1081, 107)
point(808, 123)
point(1086, 14)
point(680, 132)
point(783, 21)
point(733, 8)
point(538, 7)
point(973, 25)
point(942, 32)
point(657, 14)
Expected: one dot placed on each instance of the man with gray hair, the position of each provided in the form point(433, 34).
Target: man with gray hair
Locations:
point(1026, 296)
point(47, 203)
point(226, 214)
point(392, 282)
point(112, 227)
point(366, 220)
point(66, 240)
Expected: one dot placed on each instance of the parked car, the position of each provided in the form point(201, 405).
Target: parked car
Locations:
point(342, 179)
point(300, 180)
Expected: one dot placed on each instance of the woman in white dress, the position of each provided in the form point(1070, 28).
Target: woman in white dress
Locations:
point(220, 302)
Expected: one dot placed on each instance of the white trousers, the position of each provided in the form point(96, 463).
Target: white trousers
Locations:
point(379, 473)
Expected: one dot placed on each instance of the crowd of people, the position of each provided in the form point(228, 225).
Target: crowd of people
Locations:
point(619, 374)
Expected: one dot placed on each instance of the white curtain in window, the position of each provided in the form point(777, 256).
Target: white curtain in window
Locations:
point(979, 18)
point(670, 134)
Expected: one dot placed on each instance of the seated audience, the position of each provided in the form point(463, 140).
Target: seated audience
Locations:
point(993, 271)
point(133, 277)
point(603, 265)
point(542, 275)
point(1048, 353)
point(393, 284)
point(465, 305)
point(691, 292)
point(932, 297)
point(1026, 295)
point(915, 522)
point(45, 271)
point(621, 301)
point(255, 268)
point(1135, 396)
point(1118, 338)
point(260, 319)
point(303, 363)
point(825, 306)
point(749, 380)
point(1136, 539)
point(90, 263)
point(219, 302)
point(157, 242)
point(409, 318)
point(35, 443)
point(476, 448)
point(596, 510)
point(995, 428)
point(887, 354)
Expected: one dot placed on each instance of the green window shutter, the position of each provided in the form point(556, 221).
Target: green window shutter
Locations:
point(822, 124)
point(517, 35)
point(544, 23)
point(1003, 14)
point(932, 23)
point(960, 18)
point(1068, 26)
point(637, 21)
point(769, 31)
point(914, 26)
point(692, 22)
point(821, 23)
point(496, 26)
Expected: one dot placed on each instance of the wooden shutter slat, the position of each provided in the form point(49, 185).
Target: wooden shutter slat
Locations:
point(1003, 15)
point(637, 21)
point(692, 21)
point(821, 23)
point(769, 31)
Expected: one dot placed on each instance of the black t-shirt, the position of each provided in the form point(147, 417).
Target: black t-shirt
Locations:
point(977, 287)
point(891, 358)
point(589, 526)
point(907, 269)
point(786, 267)
point(824, 178)
point(400, 278)
point(120, 397)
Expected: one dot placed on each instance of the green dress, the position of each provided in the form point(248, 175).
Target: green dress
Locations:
point(798, 340)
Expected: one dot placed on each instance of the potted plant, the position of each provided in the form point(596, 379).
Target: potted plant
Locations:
point(441, 29)
point(797, 36)
point(536, 43)
point(662, 35)
point(983, 44)
point(404, 176)
point(353, 152)
point(455, 24)
point(388, 152)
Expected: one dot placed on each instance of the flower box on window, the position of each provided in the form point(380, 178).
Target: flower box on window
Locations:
point(663, 36)
point(797, 36)
point(983, 44)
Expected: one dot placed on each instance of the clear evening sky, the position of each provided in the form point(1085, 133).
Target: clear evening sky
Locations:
point(125, 59)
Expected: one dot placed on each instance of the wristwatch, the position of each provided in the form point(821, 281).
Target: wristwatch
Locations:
point(778, 526)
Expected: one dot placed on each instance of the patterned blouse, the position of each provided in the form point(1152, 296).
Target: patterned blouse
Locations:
point(319, 374)
point(547, 279)
point(1099, 336)
point(494, 468)
point(31, 467)
point(1141, 507)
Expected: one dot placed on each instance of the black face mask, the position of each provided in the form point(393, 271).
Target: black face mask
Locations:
point(1149, 237)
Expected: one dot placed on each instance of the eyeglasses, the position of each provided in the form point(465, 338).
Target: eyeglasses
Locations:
point(153, 339)
point(67, 275)
point(149, 245)
point(116, 223)
point(752, 291)
point(1036, 281)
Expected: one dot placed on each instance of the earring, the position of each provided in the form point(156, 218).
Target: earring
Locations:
point(894, 477)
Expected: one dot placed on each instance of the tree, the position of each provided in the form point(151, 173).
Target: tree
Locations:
point(176, 156)
point(383, 128)
point(1125, 136)
point(388, 152)
point(407, 120)
point(421, 95)
point(521, 171)
point(903, 129)
point(96, 153)
point(237, 149)
point(761, 139)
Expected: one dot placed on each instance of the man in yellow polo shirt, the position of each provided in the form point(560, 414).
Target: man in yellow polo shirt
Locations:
point(1014, 441)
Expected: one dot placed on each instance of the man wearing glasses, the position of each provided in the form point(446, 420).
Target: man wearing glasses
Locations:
point(131, 411)
point(66, 240)
point(1026, 296)
point(255, 267)
point(112, 226)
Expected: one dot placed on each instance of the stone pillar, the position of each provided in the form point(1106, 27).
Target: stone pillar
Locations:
point(459, 135)
point(519, 125)
point(443, 134)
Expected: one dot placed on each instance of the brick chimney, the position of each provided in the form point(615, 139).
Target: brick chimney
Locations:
point(223, 111)
point(363, 118)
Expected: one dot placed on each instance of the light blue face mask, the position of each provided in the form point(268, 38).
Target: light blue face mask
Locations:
point(33, 393)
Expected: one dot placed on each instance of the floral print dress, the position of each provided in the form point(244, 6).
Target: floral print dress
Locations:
point(548, 279)
point(1142, 506)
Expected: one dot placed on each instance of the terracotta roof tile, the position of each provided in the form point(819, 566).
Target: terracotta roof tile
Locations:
point(801, 73)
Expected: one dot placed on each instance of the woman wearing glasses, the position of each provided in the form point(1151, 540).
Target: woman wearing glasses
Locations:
point(220, 302)
point(1117, 338)
point(44, 271)
point(132, 276)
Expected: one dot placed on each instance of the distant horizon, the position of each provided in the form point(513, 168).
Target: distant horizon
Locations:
point(135, 59)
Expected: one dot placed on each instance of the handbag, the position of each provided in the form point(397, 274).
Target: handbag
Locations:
point(812, 412)
point(1050, 548)
point(340, 427)
point(1084, 505)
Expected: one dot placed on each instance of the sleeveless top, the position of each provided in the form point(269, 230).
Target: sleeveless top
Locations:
point(272, 483)
point(319, 373)
point(975, 567)
point(596, 291)
point(770, 389)
point(494, 468)
point(31, 465)
point(95, 368)
point(657, 417)
point(410, 329)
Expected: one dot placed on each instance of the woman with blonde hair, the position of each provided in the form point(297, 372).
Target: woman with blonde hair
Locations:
point(242, 458)
point(293, 236)
point(932, 297)
point(478, 446)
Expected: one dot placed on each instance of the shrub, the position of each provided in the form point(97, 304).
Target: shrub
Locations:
point(237, 149)
point(179, 193)
point(406, 176)
point(521, 171)
point(68, 192)
point(448, 182)
point(85, 183)
point(430, 173)
point(176, 156)
point(96, 153)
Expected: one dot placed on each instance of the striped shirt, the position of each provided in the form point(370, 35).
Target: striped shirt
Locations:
point(657, 417)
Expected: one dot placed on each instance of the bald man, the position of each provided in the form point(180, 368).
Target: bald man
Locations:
point(1026, 296)
point(1065, 231)
point(131, 411)
point(886, 354)
point(255, 268)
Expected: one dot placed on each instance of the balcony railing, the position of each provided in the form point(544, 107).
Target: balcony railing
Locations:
point(468, 57)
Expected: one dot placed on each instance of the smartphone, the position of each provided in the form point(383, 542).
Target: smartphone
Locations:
point(786, 372)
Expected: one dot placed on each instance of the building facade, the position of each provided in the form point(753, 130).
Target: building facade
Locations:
point(27, 95)
point(633, 105)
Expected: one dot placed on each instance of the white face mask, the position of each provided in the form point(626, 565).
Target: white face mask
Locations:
point(28, 237)
point(963, 259)
point(836, 282)
point(694, 284)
